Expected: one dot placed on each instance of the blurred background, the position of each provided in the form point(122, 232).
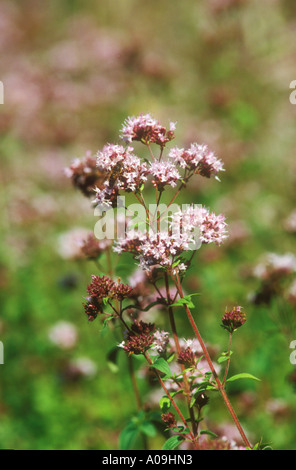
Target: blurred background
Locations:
point(72, 72)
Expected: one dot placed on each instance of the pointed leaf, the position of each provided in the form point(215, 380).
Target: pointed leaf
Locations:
point(244, 375)
point(162, 365)
point(172, 443)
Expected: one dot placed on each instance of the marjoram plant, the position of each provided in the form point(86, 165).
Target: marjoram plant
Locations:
point(160, 240)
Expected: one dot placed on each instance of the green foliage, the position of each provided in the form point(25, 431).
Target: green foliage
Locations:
point(225, 78)
point(139, 426)
point(172, 443)
point(243, 375)
point(162, 365)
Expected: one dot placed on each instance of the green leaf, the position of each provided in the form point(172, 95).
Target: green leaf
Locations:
point(162, 365)
point(172, 443)
point(224, 357)
point(128, 437)
point(165, 404)
point(244, 375)
point(148, 429)
point(185, 301)
point(192, 401)
point(209, 433)
point(112, 360)
point(171, 357)
point(204, 386)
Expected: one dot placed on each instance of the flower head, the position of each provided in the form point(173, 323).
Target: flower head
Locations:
point(144, 128)
point(198, 158)
point(164, 173)
point(234, 319)
point(211, 228)
point(169, 420)
point(187, 357)
point(123, 171)
point(85, 175)
point(92, 248)
point(139, 338)
point(103, 288)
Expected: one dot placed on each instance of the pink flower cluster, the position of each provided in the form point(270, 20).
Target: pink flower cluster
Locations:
point(211, 228)
point(198, 158)
point(144, 128)
point(164, 173)
point(124, 169)
point(188, 229)
point(117, 168)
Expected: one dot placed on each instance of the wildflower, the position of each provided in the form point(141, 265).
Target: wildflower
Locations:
point(169, 420)
point(139, 338)
point(211, 228)
point(92, 308)
point(290, 222)
point(275, 266)
point(123, 171)
point(234, 319)
point(187, 358)
point(198, 158)
point(144, 128)
point(63, 334)
point(110, 156)
point(164, 173)
point(161, 340)
point(292, 293)
point(120, 291)
point(92, 248)
point(101, 289)
point(85, 175)
point(70, 243)
point(164, 249)
point(107, 196)
point(82, 367)
point(221, 443)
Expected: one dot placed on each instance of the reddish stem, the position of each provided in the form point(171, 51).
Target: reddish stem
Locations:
point(147, 357)
point(207, 356)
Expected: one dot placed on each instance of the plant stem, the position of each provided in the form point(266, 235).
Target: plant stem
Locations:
point(147, 357)
point(207, 356)
point(134, 382)
point(176, 339)
point(228, 360)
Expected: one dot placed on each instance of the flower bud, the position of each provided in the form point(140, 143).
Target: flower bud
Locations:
point(233, 319)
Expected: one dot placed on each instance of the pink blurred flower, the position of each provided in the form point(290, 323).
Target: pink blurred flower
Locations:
point(63, 334)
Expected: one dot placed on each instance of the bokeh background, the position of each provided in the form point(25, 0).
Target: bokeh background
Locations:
point(72, 72)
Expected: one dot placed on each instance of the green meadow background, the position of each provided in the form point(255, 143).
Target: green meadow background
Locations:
point(72, 72)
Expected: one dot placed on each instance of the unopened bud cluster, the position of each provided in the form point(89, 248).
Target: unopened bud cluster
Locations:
point(234, 319)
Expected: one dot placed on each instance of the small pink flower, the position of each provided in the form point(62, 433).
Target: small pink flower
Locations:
point(164, 173)
point(211, 228)
point(161, 340)
point(198, 158)
point(144, 128)
point(124, 170)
